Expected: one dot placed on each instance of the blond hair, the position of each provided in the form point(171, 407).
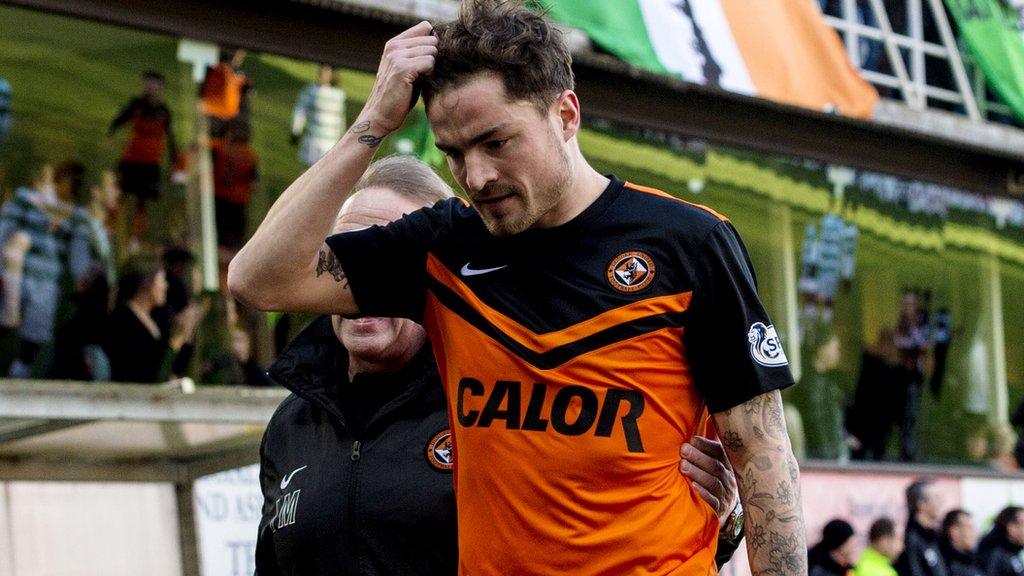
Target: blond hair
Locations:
point(405, 176)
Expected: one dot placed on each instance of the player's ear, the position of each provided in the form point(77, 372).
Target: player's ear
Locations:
point(567, 107)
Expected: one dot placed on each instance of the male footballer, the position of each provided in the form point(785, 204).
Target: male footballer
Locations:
point(584, 327)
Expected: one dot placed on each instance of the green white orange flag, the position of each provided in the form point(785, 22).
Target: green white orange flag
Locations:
point(777, 49)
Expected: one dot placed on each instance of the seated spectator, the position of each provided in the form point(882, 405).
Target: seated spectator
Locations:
point(139, 350)
point(922, 555)
point(78, 353)
point(1001, 447)
point(237, 366)
point(178, 266)
point(884, 546)
point(959, 538)
point(999, 551)
point(834, 554)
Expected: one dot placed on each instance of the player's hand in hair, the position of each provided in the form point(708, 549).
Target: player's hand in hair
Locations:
point(405, 58)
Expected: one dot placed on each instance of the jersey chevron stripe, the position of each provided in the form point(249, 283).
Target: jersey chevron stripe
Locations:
point(668, 304)
point(559, 355)
point(656, 192)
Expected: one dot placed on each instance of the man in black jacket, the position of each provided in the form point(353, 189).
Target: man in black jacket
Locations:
point(959, 538)
point(356, 465)
point(999, 551)
point(922, 555)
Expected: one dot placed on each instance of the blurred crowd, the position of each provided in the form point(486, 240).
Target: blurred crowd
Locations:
point(933, 543)
point(92, 288)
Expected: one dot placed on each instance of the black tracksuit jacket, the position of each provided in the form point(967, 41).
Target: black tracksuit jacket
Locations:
point(339, 502)
point(375, 502)
point(998, 556)
point(922, 555)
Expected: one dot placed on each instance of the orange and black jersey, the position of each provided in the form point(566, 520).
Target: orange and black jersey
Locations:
point(576, 360)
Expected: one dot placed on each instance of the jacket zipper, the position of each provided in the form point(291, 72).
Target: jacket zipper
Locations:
point(353, 520)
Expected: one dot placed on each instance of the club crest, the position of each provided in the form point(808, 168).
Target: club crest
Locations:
point(631, 271)
point(439, 451)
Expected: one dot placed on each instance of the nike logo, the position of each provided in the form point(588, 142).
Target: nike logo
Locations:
point(288, 477)
point(467, 271)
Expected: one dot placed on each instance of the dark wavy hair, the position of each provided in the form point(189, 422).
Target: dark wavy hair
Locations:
point(504, 37)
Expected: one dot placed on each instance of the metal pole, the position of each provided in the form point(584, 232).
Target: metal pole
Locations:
point(955, 62)
point(912, 97)
point(917, 64)
point(187, 529)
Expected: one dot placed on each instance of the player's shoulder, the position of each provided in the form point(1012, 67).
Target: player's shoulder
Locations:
point(451, 213)
point(672, 212)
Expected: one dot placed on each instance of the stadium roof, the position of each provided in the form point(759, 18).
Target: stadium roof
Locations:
point(122, 432)
point(981, 158)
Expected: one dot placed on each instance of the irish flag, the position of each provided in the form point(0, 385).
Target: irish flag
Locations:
point(777, 49)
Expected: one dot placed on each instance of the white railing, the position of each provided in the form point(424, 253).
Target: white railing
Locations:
point(871, 41)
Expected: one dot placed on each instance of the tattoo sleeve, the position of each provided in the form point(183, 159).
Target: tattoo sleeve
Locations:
point(328, 262)
point(754, 435)
point(369, 139)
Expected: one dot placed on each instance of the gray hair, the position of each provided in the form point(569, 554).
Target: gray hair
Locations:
point(405, 176)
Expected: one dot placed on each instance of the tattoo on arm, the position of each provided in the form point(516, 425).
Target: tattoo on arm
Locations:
point(368, 139)
point(328, 262)
point(768, 475)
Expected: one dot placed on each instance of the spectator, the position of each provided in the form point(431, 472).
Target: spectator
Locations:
point(884, 547)
point(178, 266)
point(825, 434)
point(922, 555)
point(874, 409)
point(959, 538)
point(151, 136)
point(236, 366)
point(38, 225)
point(1001, 455)
point(911, 345)
point(942, 336)
point(100, 223)
point(225, 92)
point(999, 551)
point(319, 117)
point(5, 111)
point(139, 350)
point(78, 353)
point(234, 178)
point(833, 556)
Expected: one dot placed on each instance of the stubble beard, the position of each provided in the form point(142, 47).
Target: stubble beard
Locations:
point(548, 198)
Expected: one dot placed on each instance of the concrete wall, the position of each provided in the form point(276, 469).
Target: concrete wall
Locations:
point(71, 528)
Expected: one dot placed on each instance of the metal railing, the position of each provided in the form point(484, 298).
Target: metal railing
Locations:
point(920, 63)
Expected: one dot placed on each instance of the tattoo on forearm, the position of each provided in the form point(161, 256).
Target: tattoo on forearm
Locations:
point(371, 140)
point(732, 441)
point(328, 262)
point(368, 139)
point(768, 478)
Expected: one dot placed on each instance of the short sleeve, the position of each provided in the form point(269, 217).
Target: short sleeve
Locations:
point(386, 265)
point(733, 349)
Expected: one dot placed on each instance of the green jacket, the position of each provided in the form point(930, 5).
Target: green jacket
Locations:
point(873, 563)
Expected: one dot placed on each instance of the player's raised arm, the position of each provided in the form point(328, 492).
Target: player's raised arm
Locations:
point(755, 438)
point(285, 265)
